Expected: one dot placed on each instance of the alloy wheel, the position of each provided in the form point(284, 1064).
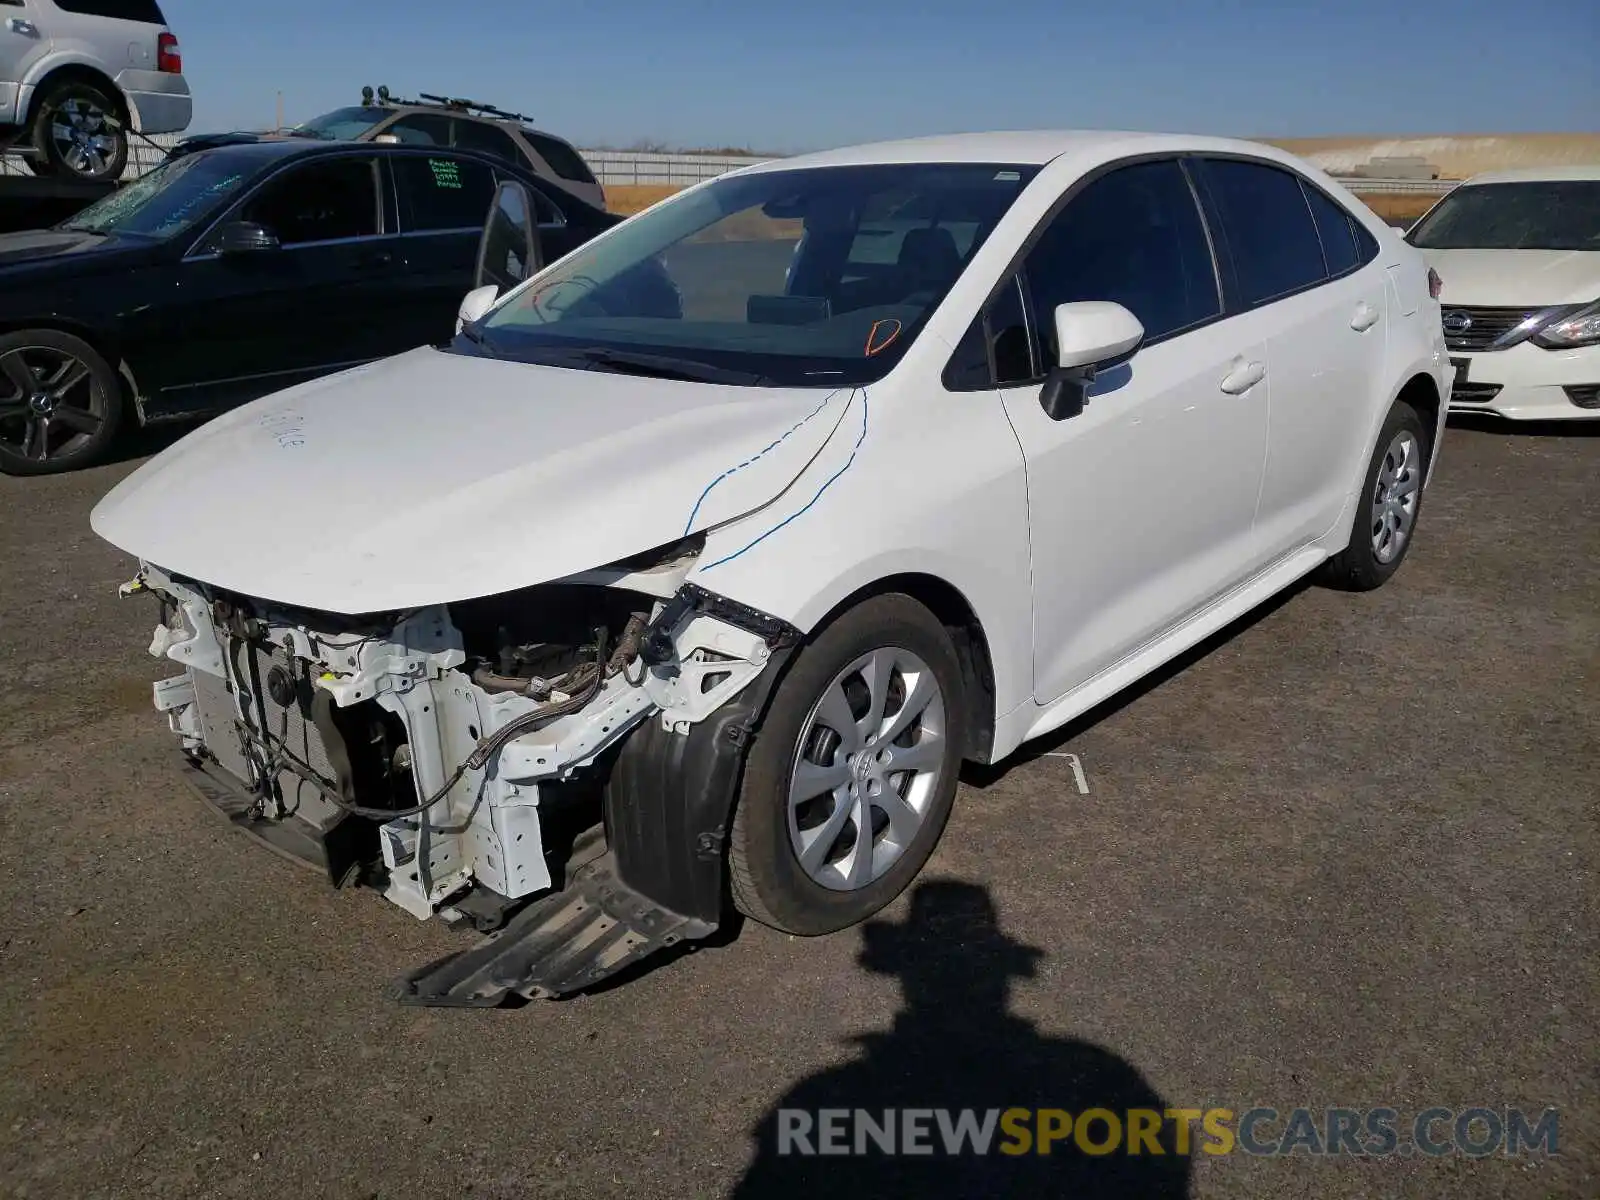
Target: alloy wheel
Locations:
point(1394, 496)
point(868, 764)
point(81, 132)
point(50, 407)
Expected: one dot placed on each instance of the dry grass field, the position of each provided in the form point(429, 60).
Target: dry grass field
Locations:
point(1457, 156)
point(632, 198)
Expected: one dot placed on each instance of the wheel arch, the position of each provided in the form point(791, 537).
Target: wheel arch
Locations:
point(102, 343)
point(960, 619)
point(1421, 391)
point(82, 69)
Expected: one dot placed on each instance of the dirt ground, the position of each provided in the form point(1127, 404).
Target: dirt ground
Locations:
point(1345, 856)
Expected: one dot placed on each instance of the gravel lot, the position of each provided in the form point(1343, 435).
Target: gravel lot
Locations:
point(1345, 857)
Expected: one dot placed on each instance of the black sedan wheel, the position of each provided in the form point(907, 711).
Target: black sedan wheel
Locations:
point(60, 403)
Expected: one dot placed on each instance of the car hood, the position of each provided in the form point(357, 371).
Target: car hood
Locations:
point(432, 477)
point(1514, 278)
point(36, 245)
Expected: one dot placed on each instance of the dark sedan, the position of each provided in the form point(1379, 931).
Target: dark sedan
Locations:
point(237, 271)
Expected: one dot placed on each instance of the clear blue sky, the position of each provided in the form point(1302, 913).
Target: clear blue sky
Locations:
point(807, 74)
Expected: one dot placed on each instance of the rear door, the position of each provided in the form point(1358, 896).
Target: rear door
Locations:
point(1304, 282)
point(242, 325)
point(1141, 506)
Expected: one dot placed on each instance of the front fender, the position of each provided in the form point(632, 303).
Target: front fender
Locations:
point(939, 491)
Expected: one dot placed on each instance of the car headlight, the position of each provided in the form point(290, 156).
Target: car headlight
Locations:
point(1578, 328)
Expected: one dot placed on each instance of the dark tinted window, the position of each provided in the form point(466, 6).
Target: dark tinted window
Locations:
point(442, 192)
point(471, 135)
point(1336, 229)
point(318, 202)
point(421, 129)
point(1271, 235)
point(563, 159)
point(147, 11)
point(1134, 236)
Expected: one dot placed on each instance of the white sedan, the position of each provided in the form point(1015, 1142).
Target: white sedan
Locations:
point(1519, 253)
point(691, 571)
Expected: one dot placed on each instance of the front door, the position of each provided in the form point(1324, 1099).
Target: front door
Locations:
point(1141, 507)
point(242, 325)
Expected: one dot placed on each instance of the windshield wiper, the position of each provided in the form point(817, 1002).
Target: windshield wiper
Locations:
point(663, 366)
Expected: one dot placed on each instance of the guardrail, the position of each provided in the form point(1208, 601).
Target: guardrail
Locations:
point(633, 167)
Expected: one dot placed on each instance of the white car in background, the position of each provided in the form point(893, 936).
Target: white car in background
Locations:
point(77, 75)
point(741, 549)
point(1519, 254)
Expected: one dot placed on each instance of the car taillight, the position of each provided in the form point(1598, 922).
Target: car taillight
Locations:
point(168, 57)
point(1435, 284)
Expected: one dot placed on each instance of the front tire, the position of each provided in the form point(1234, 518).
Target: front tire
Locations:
point(61, 404)
point(1387, 507)
point(80, 133)
point(853, 773)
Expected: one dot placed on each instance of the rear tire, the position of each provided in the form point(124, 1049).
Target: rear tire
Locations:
point(1387, 507)
point(61, 404)
point(80, 132)
point(835, 819)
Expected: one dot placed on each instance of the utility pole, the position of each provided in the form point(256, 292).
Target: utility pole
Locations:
point(279, 125)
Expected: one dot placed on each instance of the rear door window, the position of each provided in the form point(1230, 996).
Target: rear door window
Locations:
point(486, 139)
point(442, 192)
point(1271, 234)
point(1134, 236)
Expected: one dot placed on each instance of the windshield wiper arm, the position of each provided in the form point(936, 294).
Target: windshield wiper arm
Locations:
point(664, 366)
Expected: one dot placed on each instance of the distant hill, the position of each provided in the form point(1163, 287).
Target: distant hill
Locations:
point(1456, 155)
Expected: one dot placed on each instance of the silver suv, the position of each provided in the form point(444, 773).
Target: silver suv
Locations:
point(77, 75)
point(442, 121)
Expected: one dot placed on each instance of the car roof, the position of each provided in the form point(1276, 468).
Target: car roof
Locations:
point(1034, 147)
point(1573, 173)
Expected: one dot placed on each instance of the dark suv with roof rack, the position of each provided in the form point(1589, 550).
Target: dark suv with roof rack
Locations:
point(443, 121)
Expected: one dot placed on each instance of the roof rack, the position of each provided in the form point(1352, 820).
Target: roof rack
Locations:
point(428, 100)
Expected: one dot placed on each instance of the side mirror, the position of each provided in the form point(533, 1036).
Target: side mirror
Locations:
point(1091, 335)
point(477, 302)
point(245, 237)
point(509, 250)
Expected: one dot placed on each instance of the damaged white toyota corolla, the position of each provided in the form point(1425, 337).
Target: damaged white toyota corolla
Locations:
point(694, 567)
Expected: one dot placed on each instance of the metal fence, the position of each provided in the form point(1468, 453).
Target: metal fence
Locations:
point(629, 167)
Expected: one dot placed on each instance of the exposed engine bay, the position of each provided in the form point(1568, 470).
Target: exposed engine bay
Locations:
point(466, 759)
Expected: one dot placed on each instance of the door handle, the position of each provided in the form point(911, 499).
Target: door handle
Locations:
point(374, 258)
point(1243, 376)
point(1365, 317)
point(25, 28)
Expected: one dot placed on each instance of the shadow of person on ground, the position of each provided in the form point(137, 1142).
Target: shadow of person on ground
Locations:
point(954, 1046)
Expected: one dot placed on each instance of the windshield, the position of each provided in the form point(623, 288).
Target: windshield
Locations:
point(1554, 215)
point(167, 200)
point(816, 276)
point(342, 124)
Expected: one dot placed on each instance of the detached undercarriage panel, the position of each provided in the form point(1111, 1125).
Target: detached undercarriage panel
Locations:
point(555, 766)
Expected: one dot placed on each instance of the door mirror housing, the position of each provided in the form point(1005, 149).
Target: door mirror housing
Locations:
point(477, 302)
point(509, 250)
point(245, 237)
point(1091, 336)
